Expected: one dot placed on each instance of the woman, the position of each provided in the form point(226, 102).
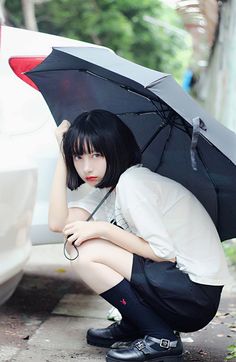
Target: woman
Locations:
point(151, 250)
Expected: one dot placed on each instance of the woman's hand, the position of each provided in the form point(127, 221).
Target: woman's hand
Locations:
point(80, 231)
point(60, 130)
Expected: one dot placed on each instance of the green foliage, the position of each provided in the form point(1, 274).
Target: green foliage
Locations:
point(122, 25)
point(14, 12)
point(230, 251)
point(231, 352)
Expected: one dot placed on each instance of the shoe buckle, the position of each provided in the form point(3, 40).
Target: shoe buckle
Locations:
point(165, 343)
point(140, 345)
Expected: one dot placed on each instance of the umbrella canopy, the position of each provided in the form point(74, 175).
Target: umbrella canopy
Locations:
point(177, 137)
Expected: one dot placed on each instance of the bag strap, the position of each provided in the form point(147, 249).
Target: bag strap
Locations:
point(100, 203)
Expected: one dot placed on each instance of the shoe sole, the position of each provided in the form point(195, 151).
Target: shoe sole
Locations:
point(159, 359)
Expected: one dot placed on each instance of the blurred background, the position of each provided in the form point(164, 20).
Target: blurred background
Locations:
point(194, 40)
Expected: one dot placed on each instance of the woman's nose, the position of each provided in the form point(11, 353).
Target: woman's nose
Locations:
point(87, 166)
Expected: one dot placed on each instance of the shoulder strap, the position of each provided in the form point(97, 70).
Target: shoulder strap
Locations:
point(100, 203)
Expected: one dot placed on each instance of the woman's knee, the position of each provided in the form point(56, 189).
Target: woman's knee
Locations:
point(98, 251)
point(87, 253)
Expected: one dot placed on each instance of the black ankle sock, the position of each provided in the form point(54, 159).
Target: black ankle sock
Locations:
point(124, 297)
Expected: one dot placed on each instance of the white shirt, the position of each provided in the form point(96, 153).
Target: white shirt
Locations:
point(168, 217)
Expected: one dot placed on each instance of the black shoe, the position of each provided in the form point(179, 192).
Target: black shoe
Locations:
point(119, 345)
point(116, 332)
point(148, 349)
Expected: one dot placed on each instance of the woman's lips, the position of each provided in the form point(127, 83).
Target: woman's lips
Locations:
point(91, 178)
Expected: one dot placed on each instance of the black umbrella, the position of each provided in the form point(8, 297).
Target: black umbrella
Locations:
point(178, 138)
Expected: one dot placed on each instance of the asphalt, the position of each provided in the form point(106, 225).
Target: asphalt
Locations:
point(47, 317)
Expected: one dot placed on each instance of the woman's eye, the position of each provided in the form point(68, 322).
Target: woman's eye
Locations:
point(76, 157)
point(95, 155)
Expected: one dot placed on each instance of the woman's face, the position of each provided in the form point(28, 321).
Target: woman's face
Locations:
point(91, 167)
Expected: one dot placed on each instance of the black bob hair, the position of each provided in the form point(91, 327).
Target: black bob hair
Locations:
point(103, 132)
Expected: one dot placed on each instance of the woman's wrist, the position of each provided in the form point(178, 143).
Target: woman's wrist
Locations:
point(105, 230)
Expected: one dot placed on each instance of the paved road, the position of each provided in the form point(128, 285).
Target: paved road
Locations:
point(47, 317)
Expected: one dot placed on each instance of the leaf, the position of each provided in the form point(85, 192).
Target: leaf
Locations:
point(231, 352)
point(60, 270)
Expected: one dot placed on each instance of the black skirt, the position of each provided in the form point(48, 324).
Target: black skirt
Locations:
point(185, 305)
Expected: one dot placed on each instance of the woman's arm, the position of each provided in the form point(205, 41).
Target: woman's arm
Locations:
point(58, 210)
point(59, 213)
point(129, 241)
point(83, 231)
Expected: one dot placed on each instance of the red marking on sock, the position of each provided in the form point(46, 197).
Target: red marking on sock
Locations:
point(123, 301)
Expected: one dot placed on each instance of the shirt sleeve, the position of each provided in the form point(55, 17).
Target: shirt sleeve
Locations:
point(141, 210)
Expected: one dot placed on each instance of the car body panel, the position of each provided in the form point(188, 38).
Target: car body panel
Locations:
point(27, 119)
point(28, 154)
point(18, 183)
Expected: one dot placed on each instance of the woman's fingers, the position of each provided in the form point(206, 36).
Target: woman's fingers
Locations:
point(64, 125)
point(72, 238)
point(70, 226)
point(61, 129)
point(69, 229)
point(75, 233)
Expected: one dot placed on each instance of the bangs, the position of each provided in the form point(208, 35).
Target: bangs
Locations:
point(101, 132)
point(87, 144)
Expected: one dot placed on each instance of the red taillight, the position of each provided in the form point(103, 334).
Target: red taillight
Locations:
point(20, 65)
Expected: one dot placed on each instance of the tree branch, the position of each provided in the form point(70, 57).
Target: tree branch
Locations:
point(2, 12)
point(29, 14)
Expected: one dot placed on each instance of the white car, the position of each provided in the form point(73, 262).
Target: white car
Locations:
point(29, 150)
point(18, 182)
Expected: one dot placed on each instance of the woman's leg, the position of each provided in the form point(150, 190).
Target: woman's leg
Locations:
point(106, 268)
point(102, 264)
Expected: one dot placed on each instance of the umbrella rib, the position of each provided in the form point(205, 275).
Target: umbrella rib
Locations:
point(128, 88)
point(167, 121)
point(136, 113)
point(164, 148)
point(164, 111)
point(160, 128)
